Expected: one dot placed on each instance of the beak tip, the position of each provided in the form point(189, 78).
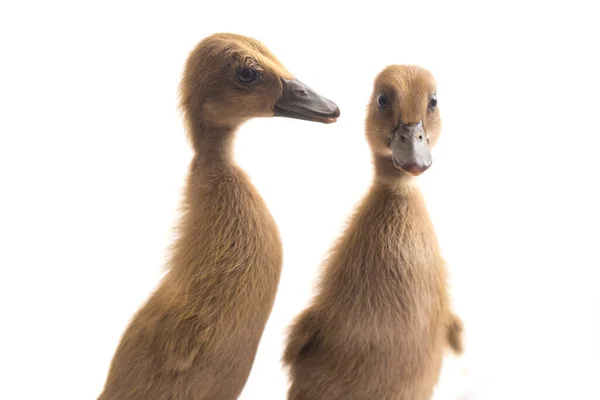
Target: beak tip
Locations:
point(414, 169)
point(411, 167)
point(333, 115)
point(336, 112)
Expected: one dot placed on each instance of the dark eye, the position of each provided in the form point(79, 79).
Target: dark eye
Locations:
point(382, 100)
point(247, 75)
point(433, 102)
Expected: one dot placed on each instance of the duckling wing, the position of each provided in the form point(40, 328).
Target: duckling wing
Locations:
point(454, 334)
point(301, 336)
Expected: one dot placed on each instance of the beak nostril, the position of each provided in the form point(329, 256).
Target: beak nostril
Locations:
point(403, 138)
point(420, 137)
point(300, 92)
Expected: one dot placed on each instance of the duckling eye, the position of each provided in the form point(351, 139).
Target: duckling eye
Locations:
point(433, 102)
point(247, 75)
point(382, 100)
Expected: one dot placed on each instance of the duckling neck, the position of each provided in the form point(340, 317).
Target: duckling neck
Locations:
point(214, 146)
point(387, 174)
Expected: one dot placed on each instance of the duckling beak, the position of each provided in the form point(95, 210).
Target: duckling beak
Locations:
point(301, 102)
point(410, 149)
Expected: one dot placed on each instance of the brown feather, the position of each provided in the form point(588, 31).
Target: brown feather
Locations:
point(197, 335)
point(381, 317)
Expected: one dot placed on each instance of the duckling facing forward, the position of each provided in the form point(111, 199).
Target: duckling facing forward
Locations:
point(381, 317)
point(197, 335)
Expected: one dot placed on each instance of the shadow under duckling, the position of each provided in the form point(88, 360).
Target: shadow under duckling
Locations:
point(197, 335)
point(381, 318)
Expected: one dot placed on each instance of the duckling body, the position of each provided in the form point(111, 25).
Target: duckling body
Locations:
point(197, 335)
point(381, 318)
point(201, 328)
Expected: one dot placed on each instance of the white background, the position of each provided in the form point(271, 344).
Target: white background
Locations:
point(93, 158)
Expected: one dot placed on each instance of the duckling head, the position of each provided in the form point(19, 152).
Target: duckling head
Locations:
point(230, 78)
point(403, 120)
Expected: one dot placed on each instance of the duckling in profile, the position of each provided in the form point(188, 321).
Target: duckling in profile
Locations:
point(197, 335)
point(381, 318)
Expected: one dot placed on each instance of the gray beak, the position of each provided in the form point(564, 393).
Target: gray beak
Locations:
point(301, 102)
point(410, 149)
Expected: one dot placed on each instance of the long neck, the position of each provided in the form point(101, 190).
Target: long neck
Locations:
point(211, 202)
point(213, 146)
point(387, 174)
point(402, 201)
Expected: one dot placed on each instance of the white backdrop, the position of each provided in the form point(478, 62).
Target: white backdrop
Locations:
point(93, 158)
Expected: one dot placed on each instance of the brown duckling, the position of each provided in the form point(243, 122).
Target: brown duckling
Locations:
point(381, 318)
point(197, 335)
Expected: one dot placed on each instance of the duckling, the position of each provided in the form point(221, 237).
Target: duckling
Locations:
point(197, 335)
point(381, 317)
